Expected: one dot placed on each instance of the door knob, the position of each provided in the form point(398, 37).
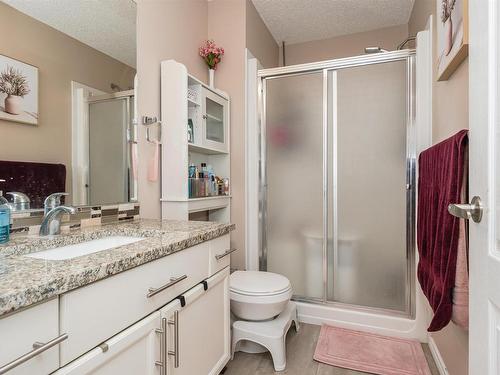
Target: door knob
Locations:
point(473, 211)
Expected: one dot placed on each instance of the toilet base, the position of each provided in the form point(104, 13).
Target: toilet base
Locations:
point(270, 335)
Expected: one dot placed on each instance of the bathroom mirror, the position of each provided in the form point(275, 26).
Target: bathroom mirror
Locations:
point(67, 101)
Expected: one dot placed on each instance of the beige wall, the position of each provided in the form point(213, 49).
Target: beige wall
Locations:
point(232, 24)
point(235, 24)
point(345, 45)
point(226, 25)
point(171, 29)
point(450, 114)
point(259, 40)
point(60, 60)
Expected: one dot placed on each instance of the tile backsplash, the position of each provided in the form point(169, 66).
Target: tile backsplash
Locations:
point(29, 221)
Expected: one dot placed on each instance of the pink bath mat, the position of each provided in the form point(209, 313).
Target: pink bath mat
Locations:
point(369, 352)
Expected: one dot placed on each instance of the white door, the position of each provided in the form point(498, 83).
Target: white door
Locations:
point(199, 333)
point(484, 146)
point(131, 352)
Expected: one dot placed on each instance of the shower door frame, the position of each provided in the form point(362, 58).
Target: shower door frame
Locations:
point(333, 66)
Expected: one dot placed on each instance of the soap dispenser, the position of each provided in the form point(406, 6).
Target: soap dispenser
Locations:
point(4, 219)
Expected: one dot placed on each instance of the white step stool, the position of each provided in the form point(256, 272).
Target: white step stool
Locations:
point(271, 334)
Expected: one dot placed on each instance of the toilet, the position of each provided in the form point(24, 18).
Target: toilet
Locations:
point(263, 313)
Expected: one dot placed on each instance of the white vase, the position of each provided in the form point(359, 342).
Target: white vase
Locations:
point(211, 78)
point(448, 36)
point(13, 104)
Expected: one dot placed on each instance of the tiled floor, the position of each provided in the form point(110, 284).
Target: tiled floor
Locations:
point(300, 350)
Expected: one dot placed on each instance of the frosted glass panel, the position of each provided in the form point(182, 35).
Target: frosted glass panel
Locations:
point(294, 109)
point(368, 260)
point(215, 121)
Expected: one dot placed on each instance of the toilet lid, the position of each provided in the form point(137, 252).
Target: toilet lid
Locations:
point(258, 283)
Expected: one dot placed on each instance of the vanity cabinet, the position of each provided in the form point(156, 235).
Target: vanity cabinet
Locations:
point(29, 340)
point(136, 350)
point(190, 335)
point(170, 316)
point(198, 333)
point(97, 311)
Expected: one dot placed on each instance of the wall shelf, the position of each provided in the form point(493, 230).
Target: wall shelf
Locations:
point(185, 99)
point(204, 150)
point(208, 203)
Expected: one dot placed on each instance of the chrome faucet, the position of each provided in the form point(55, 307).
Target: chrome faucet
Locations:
point(53, 201)
point(51, 223)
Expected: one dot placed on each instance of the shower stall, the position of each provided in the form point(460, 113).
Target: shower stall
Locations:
point(337, 181)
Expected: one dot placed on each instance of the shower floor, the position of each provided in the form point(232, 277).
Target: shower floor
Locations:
point(300, 350)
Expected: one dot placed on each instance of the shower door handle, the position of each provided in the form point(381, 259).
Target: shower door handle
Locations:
point(473, 211)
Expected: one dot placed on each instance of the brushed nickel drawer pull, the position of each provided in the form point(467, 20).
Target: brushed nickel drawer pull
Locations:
point(174, 280)
point(38, 349)
point(175, 352)
point(226, 253)
point(163, 345)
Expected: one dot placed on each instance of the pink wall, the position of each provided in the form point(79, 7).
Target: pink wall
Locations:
point(234, 24)
point(450, 114)
point(226, 25)
point(345, 45)
point(165, 30)
point(174, 29)
point(259, 40)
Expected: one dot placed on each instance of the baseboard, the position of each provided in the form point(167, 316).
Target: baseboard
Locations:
point(437, 357)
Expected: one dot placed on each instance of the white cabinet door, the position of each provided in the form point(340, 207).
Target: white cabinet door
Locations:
point(199, 333)
point(21, 330)
point(134, 351)
point(215, 110)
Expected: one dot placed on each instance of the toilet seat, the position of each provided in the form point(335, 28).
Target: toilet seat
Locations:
point(258, 283)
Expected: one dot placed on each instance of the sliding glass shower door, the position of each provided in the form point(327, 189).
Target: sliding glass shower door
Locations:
point(337, 183)
point(367, 209)
point(294, 220)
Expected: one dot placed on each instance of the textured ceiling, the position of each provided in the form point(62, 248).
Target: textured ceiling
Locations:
point(106, 25)
point(296, 21)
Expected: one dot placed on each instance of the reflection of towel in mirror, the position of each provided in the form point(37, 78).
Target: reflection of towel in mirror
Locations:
point(153, 163)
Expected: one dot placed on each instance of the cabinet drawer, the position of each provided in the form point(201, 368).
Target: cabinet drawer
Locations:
point(94, 313)
point(19, 331)
point(219, 254)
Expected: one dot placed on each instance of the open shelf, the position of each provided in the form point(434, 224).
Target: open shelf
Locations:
point(208, 203)
point(192, 103)
point(204, 150)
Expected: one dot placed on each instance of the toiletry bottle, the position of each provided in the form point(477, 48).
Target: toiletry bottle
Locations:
point(191, 180)
point(4, 219)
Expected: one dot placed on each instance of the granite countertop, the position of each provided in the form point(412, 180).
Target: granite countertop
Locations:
point(25, 280)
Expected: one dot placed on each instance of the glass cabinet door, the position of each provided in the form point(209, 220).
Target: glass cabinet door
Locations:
point(215, 121)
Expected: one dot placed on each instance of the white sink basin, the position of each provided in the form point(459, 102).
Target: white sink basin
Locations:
point(84, 248)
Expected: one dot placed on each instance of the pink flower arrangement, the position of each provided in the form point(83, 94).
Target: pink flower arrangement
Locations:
point(211, 53)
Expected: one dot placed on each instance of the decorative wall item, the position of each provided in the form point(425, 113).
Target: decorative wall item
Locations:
point(212, 56)
point(453, 36)
point(18, 91)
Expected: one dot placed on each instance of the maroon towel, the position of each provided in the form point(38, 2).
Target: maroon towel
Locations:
point(441, 170)
point(36, 180)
